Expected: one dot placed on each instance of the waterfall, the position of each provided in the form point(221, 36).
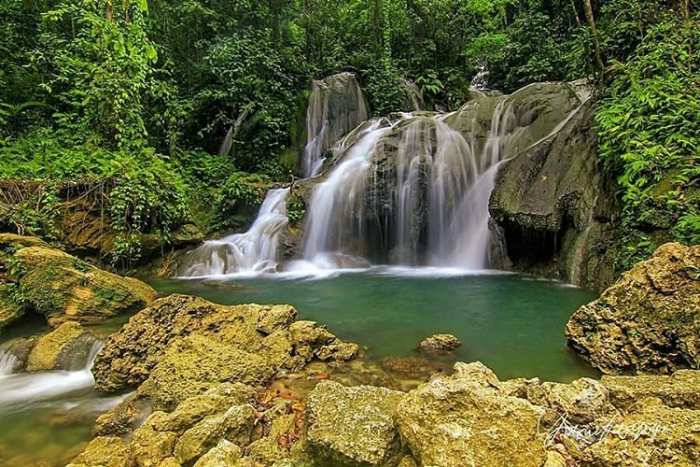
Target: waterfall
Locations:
point(23, 389)
point(336, 106)
point(8, 363)
point(254, 251)
point(413, 191)
point(339, 198)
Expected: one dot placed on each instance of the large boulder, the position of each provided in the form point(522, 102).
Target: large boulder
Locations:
point(104, 451)
point(649, 321)
point(464, 419)
point(263, 336)
point(65, 288)
point(353, 425)
point(552, 206)
point(67, 347)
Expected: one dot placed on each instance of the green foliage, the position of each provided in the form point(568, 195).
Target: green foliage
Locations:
point(650, 138)
point(296, 209)
point(240, 196)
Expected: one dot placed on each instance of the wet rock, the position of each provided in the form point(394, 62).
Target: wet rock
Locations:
point(223, 454)
point(552, 205)
point(256, 332)
point(196, 363)
point(650, 434)
point(67, 347)
point(65, 288)
point(414, 368)
point(104, 452)
point(681, 389)
point(649, 321)
point(353, 425)
point(124, 418)
point(464, 420)
point(439, 344)
point(19, 348)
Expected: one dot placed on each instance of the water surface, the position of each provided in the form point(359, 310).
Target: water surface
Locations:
point(513, 324)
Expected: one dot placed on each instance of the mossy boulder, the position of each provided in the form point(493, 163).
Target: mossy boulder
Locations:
point(65, 288)
point(10, 310)
point(464, 419)
point(263, 336)
point(648, 321)
point(194, 364)
point(224, 454)
point(104, 451)
point(353, 425)
point(67, 347)
point(581, 401)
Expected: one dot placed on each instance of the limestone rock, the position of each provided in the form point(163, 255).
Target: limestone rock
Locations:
point(224, 454)
point(681, 389)
point(67, 347)
point(463, 420)
point(103, 452)
point(65, 288)
point(196, 363)
point(582, 401)
point(552, 206)
point(150, 446)
point(130, 355)
point(353, 425)
point(123, 418)
point(439, 343)
point(236, 424)
point(651, 434)
point(648, 321)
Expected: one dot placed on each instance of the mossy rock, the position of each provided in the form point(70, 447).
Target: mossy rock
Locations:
point(65, 348)
point(10, 310)
point(104, 451)
point(65, 288)
point(353, 425)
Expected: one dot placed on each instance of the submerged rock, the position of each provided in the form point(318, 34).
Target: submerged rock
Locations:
point(649, 321)
point(67, 347)
point(439, 343)
point(464, 420)
point(65, 288)
point(353, 425)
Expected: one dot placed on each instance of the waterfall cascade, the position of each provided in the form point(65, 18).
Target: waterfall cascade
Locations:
point(19, 389)
point(412, 187)
point(254, 251)
point(8, 363)
point(336, 106)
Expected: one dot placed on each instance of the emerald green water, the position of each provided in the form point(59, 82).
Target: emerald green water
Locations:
point(511, 323)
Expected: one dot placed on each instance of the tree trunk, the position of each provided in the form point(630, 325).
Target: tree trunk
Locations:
point(588, 9)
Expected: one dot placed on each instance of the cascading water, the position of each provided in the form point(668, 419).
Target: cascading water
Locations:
point(8, 363)
point(415, 188)
point(20, 389)
point(254, 251)
point(336, 106)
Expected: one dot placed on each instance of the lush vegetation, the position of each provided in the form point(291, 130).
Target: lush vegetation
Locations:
point(133, 99)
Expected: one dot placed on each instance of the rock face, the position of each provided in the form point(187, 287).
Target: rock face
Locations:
point(66, 348)
point(649, 321)
point(353, 425)
point(552, 206)
point(465, 420)
point(681, 389)
point(439, 343)
point(64, 288)
point(197, 342)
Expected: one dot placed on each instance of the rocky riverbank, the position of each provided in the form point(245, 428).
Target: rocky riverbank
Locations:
point(251, 385)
